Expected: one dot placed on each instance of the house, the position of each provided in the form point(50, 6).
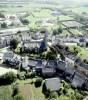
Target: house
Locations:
point(4, 41)
point(48, 72)
point(61, 66)
point(35, 46)
point(13, 62)
point(86, 84)
point(25, 63)
point(38, 36)
point(51, 64)
point(32, 63)
point(69, 73)
point(52, 84)
point(8, 55)
point(78, 80)
point(39, 67)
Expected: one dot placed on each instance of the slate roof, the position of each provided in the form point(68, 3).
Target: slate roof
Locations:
point(78, 80)
point(8, 55)
point(48, 72)
point(51, 63)
point(61, 65)
point(52, 84)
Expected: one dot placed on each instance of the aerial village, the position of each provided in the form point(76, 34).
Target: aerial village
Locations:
point(45, 56)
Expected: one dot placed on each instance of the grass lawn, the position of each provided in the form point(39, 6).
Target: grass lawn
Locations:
point(79, 10)
point(5, 93)
point(30, 92)
point(82, 53)
point(63, 17)
point(75, 32)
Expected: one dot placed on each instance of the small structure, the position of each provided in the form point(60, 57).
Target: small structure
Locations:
point(52, 84)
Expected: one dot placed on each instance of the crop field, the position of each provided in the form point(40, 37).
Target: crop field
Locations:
point(37, 12)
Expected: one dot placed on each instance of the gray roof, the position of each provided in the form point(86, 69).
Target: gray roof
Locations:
point(8, 55)
point(53, 84)
point(51, 63)
point(33, 63)
point(78, 80)
point(69, 71)
point(61, 65)
point(48, 71)
point(72, 24)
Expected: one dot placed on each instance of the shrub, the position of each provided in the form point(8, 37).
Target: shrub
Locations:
point(7, 78)
point(30, 75)
point(53, 95)
point(13, 44)
point(18, 97)
point(38, 82)
point(15, 90)
point(21, 76)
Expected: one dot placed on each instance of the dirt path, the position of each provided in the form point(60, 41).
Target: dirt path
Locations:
point(27, 92)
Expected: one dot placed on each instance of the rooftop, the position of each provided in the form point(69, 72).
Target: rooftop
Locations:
point(52, 84)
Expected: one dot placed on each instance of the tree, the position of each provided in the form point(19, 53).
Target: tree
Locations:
point(7, 78)
point(3, 25)
point(13, 44)
point(55, 32)
point(50, 55)
point(15, 90)
point(25, 21)
point(38, 82)
point(87, 44)
point(60, 30)
point(53, 95)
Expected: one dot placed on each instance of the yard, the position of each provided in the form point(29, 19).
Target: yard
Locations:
point(29, 91)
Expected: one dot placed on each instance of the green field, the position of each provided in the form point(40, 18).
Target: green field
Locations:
point(78, 10)
point(5, 93)
point(82, 52)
